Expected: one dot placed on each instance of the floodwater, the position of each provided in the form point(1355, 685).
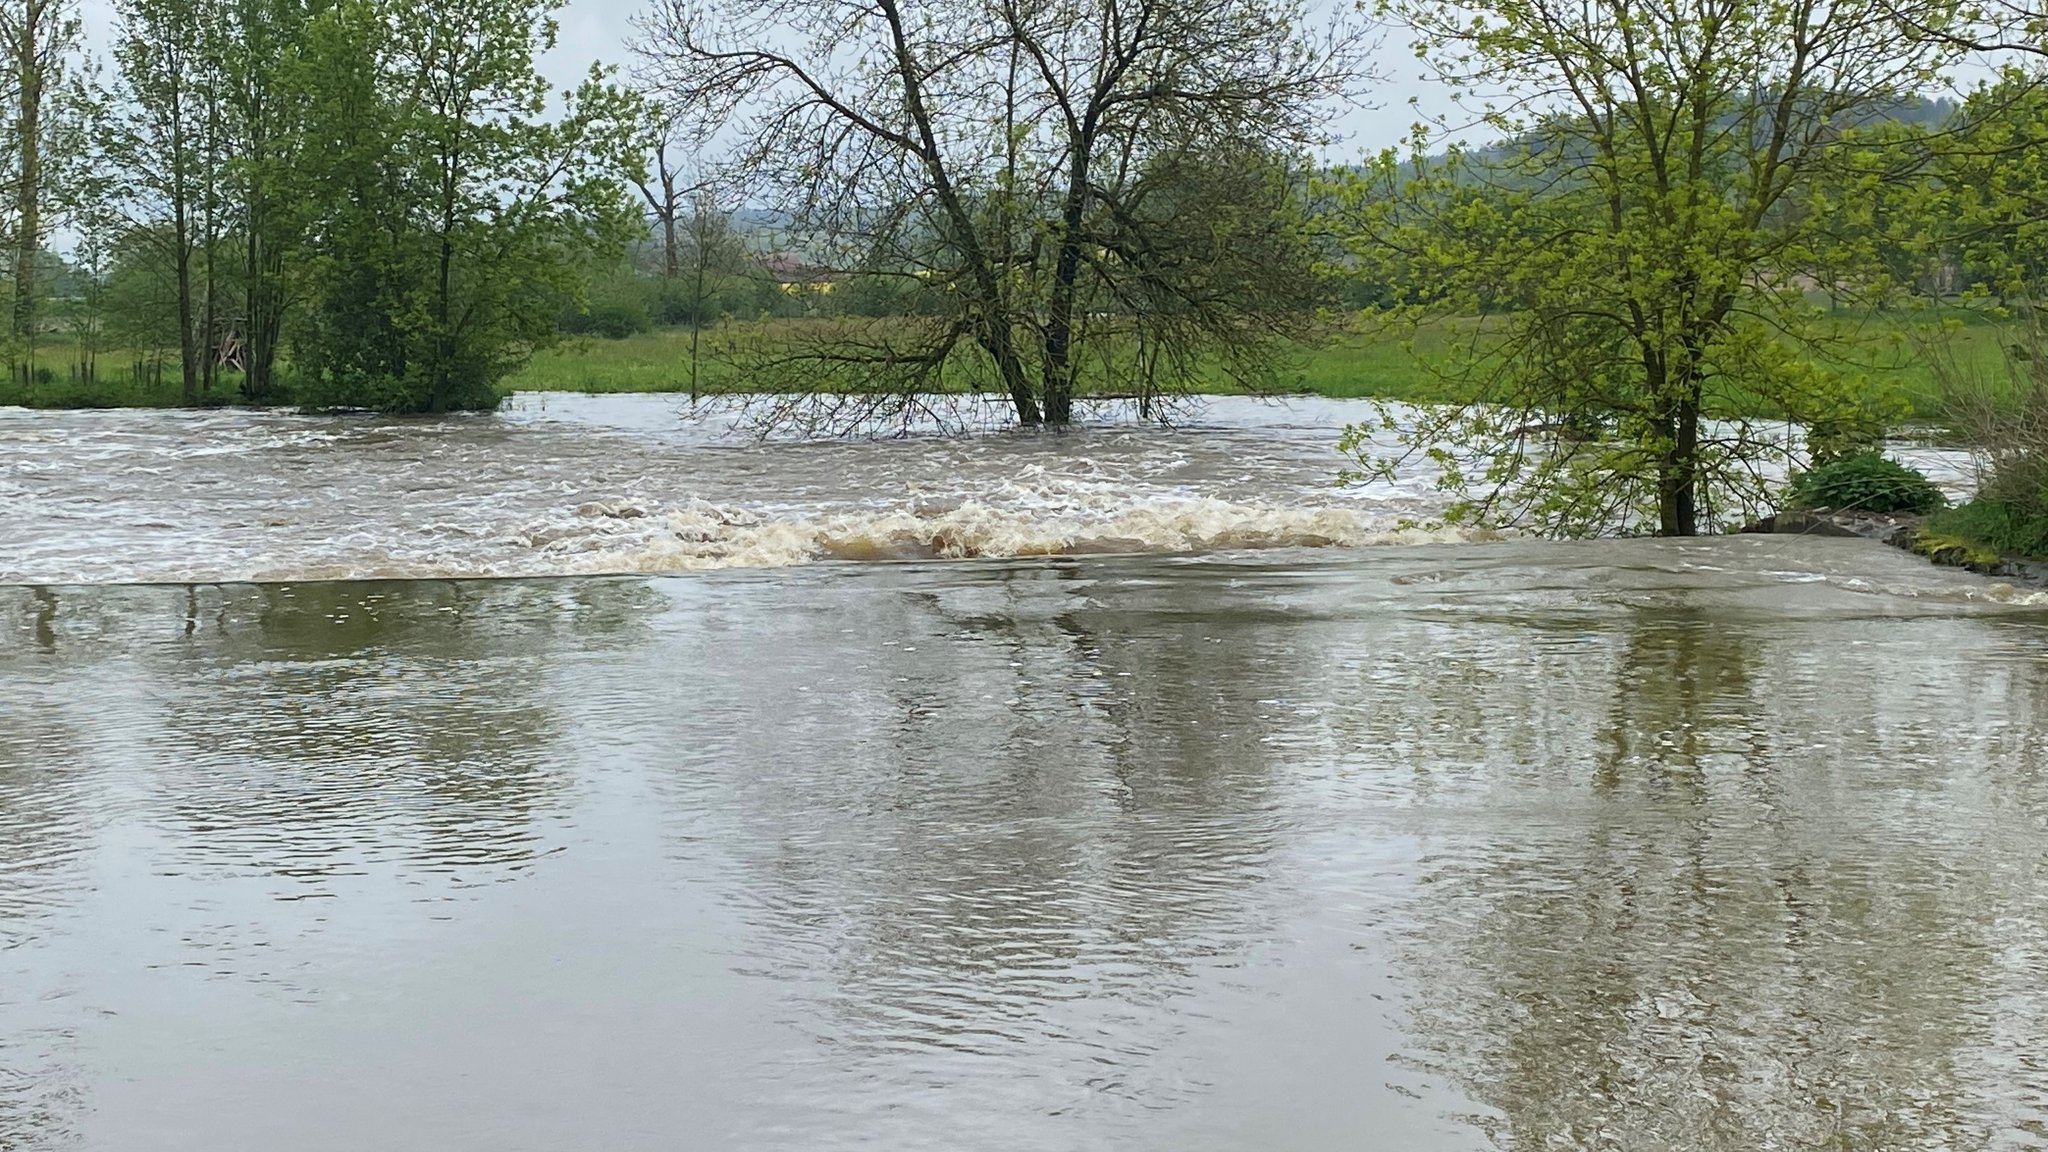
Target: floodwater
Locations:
point(1236, 840)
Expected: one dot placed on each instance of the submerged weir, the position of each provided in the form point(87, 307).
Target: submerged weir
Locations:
point(1242, 837)
point(577, 485)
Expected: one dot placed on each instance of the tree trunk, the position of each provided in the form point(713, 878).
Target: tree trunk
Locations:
point(28, 193)
point(696, 297)
point(669, 266)
point(444, 340)
point(995, 335)
point(262, 270)
point(257, 349)
point(209, 323)
point(1678, 469)
point(1057, 379)
point(1057, 382)
point(188, 342)
point(995, 339)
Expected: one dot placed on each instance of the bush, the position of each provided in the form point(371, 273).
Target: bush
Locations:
point(1866, 482)
point(676, 304)
point(616, 319)
point(2007, 529)
point(611, 319)
point(619, 306)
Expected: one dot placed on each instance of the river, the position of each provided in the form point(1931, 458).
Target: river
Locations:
point(1196, 805)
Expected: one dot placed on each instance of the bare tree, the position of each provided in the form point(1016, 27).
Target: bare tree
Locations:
point(713, 249)
point(666, 186)
point(999, 152)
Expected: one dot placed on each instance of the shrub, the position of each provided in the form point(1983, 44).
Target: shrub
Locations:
point(617, 319)
point(1866, 482)
point(676, 304)
point(2007, 529)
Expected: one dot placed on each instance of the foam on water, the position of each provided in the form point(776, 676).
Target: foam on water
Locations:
point(704, 535)
point(623, 484)
point(635, 484)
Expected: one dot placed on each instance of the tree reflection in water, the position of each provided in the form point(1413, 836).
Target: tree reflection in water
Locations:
point(1760, 917)
point(1162, 853)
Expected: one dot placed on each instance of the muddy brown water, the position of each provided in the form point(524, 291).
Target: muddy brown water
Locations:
point(1736, 843)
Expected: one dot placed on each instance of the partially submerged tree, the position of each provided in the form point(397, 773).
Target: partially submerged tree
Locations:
point(1011, 155)
point(1645, 231)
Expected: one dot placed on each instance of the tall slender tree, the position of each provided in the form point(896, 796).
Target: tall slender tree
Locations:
point(713, 247)
point(41, 39)
point(264, 102)
point(161, 144)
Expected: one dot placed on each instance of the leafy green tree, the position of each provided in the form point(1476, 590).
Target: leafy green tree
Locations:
point(163, 144)
point(1991, 187)
point(262, 82)
point(1643, 227)
point(453, 213)
point(47, 105)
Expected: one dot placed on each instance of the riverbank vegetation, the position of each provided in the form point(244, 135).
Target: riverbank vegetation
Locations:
point(1695, 251)
point(1364, 357)
point(363, 203)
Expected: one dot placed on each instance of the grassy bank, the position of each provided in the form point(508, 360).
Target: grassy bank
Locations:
point(1363, 361)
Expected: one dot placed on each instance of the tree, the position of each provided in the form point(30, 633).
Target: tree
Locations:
point(1988, 201)
point(713, 246)
point(43, 118)
point(161, 143)
point(1642, 223)
point(995, 150)
point(663, 186)
point(262, 90)
point(100, 228)
point(452, 216)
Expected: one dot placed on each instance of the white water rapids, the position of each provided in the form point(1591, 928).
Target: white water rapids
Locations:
point(565, 485)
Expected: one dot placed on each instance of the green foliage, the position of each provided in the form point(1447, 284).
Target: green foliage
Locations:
point(1646, 251)
point(879, 295)
point(618, 306)
point(1988, 528)
point(1867, 482)
point(723, 294)
point(613, 319)
point(1988, 208)
point(453, 216)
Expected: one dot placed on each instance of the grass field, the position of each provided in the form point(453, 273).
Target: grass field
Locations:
point(1356, 364)
point(1361, 362)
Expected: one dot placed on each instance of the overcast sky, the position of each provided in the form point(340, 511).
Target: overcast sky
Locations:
point(596, 30)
